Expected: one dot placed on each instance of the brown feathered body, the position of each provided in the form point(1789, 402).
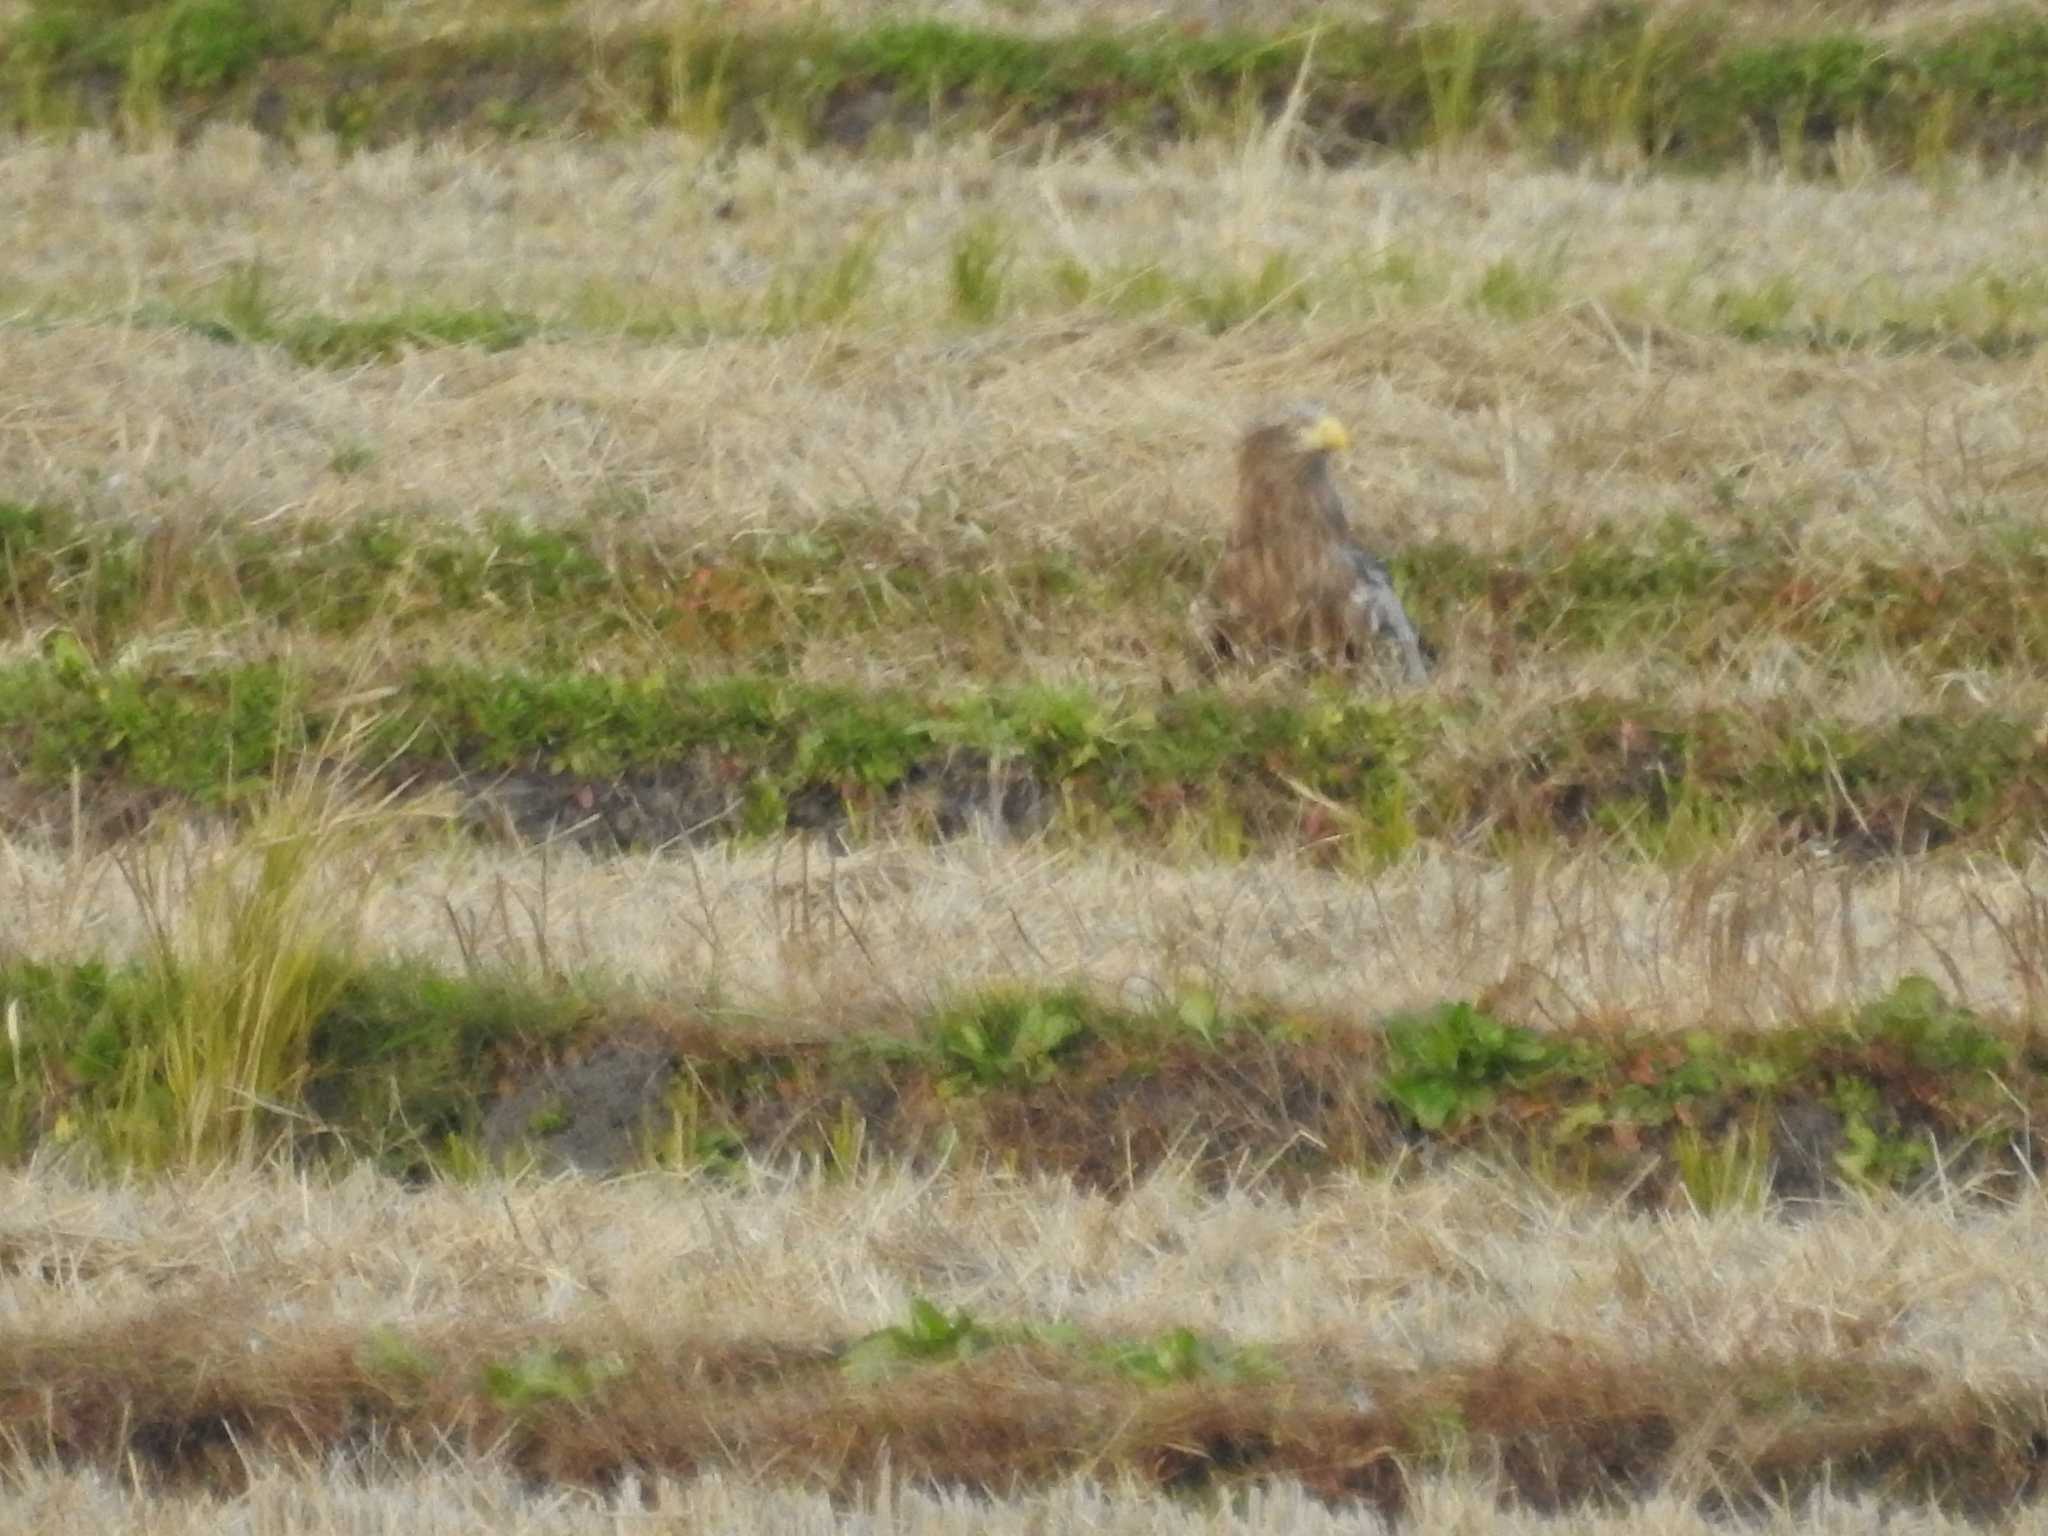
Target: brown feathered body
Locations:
point(1294, 579)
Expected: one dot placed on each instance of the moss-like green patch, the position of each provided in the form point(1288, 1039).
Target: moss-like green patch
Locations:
point(1678, 89)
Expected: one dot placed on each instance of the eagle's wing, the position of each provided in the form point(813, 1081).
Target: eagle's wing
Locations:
point(1372, 590)
point(1373, 593)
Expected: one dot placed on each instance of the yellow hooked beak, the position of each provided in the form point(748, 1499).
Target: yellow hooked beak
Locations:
point(1325, 435)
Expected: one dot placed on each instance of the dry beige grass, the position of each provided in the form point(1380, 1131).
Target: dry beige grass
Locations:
point(1425, 1273)
point(1047, 428)
point(810, 943)
point(1485, 434)
point(658, 221)
point(487, 1500)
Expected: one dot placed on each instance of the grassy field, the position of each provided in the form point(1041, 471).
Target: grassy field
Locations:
point(623, 897)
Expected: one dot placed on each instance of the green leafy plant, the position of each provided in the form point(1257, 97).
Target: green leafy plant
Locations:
point(1875, 1160)
point(1937, 1034)
point(1656, 1087)
point(1182, 1355)
point(388, 1353)
point(327, 341)
point(548, 1375)
point(1873, 1155)
point(1239, 771)
point(1007, 1040)
point(210, 43)
point(1447, 1063)
point(930, 1337)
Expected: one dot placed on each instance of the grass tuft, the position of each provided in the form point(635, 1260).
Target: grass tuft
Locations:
point(980, 265)
point(249, 952)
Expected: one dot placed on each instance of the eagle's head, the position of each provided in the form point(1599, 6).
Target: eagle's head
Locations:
point(1306, 428)
point(1291, 446)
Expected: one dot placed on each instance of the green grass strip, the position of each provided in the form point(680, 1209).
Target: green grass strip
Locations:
point(557, 596)
point(1689, 90)
point(1364, 777)
point(426, 1073)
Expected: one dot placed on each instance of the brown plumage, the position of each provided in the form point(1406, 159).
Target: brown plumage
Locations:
point(1293, 578)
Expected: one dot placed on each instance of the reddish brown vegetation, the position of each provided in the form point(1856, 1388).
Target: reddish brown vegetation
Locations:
point(189, 1394)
